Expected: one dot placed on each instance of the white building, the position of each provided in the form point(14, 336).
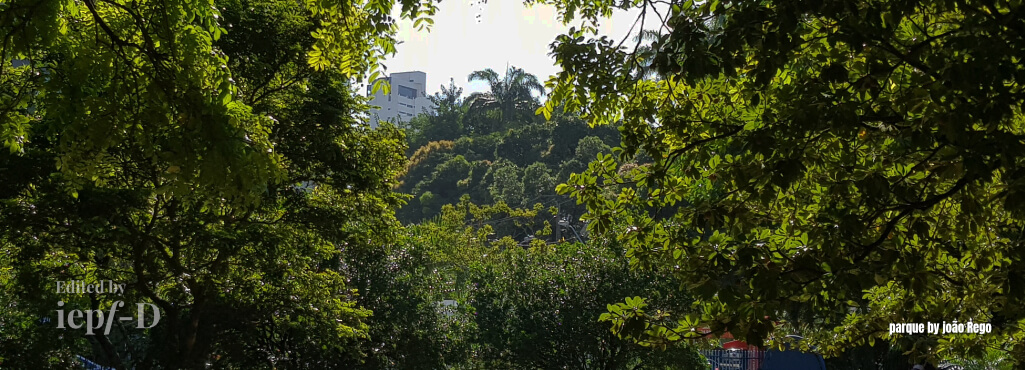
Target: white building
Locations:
point(407, 98)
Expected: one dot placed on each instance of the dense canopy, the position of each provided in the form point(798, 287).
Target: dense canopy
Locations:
point(858, 162)
point(209, 155)
point(764, 168)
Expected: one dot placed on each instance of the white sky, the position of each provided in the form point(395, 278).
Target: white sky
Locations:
point(506, 32)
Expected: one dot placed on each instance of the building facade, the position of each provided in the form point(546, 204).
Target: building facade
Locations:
point(407, 98)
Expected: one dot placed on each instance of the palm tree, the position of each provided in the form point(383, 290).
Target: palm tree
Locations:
point(510, 97)
point(644, 65)
point(648, 41)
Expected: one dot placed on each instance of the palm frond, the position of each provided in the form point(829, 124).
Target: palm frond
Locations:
point(487, 75)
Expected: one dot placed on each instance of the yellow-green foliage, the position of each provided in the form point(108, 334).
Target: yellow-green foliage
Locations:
point(425, 152)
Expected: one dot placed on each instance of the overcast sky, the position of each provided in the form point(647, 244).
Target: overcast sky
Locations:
point(506, 32)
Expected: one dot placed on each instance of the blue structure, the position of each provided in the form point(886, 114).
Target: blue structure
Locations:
point(89, 365)
point(734, 359)
point(792, 360)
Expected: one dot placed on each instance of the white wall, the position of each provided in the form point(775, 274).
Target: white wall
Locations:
point(407, 98)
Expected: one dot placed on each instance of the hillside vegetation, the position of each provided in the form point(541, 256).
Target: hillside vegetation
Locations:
point(464, 150)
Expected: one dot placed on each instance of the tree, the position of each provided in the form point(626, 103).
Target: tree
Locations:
point(506, 183)
point(510, 99)
point(401, 283)
point(544, 145)
point(537, 308)
point(861, 159)
point(517, 307)
point(646, 53)
point(444, 123)
point(446, 180)
point(587, 149)
point(207, 157)
point(525, 145)
point(537, 182)
point(449, 99)
point(569, 130)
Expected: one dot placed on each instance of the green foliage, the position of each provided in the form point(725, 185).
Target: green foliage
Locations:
point(536, 308)
point(509, 102)
point(206, 156)
point(27, 341)
point(993, 359)
point(526, 145)
point(400, 284)
point(586, 151)
point(480, 147)
point(516, 306)
point(519, 167)
point(426, 158)
point(860, 159)
point(506, 181)
point(537, 181)
point(444, 123)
